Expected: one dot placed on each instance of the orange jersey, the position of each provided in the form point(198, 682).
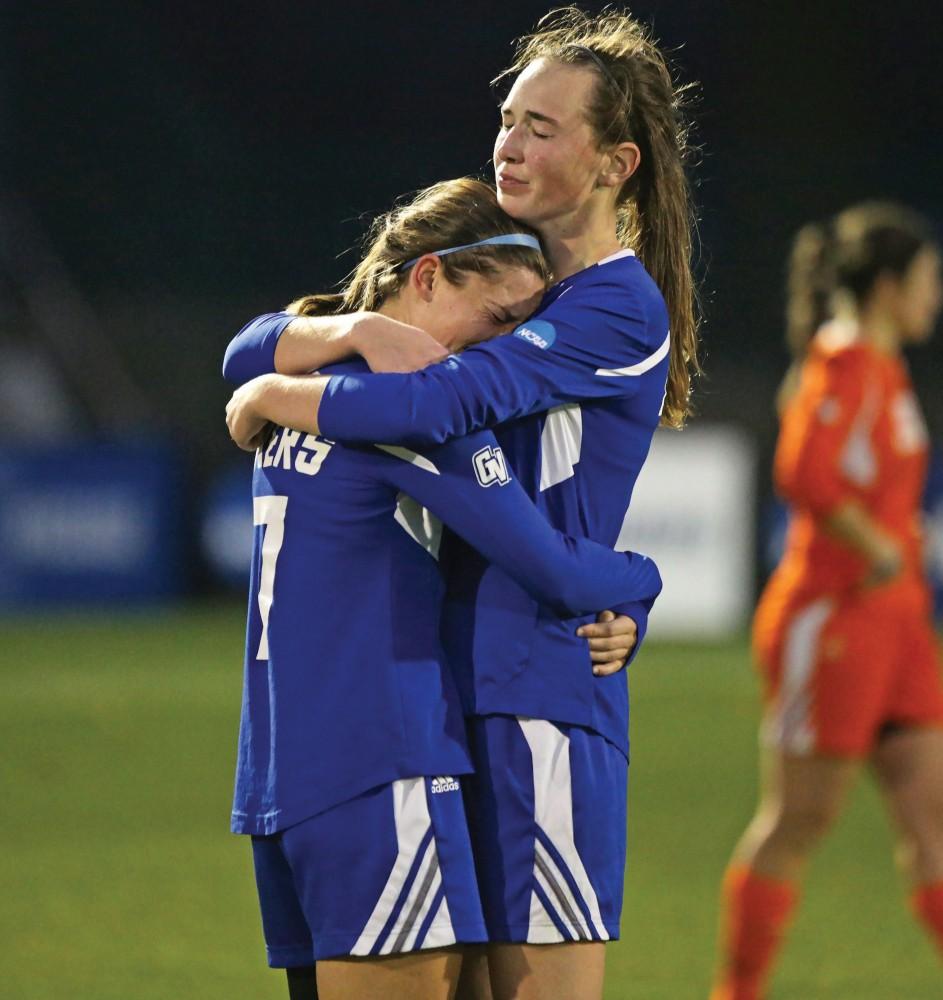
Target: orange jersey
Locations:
point(853, 431)
point(841, 661)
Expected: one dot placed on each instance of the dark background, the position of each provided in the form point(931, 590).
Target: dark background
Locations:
point(170, 169)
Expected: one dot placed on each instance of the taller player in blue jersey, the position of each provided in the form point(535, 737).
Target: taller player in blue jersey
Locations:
point(352, 738)
point(591, 153)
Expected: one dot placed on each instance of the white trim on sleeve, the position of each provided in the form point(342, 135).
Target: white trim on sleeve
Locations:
point(642, 366)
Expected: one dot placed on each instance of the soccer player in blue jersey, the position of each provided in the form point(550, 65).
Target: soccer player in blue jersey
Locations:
point(591, 153)
point(352, 739)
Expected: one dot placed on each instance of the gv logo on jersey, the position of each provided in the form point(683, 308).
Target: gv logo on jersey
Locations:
point(538, 332)
point(490, 467)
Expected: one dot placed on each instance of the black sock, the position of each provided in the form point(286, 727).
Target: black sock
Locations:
point(302, 983)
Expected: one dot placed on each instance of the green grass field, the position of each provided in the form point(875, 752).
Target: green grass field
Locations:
point(120, 881)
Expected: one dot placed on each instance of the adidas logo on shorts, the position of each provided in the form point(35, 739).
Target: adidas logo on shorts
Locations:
point(444, 784)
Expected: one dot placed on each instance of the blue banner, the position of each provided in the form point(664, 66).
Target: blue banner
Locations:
point(226, 526)
point(90, 523)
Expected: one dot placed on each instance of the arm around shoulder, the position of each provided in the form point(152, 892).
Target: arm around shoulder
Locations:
point(288, 344)
point(287, 400)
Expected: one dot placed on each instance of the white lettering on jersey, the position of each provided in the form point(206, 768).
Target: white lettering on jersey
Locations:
point(538, 332)
point(285, 442)
point(444, 784)
point(269, 512)
point(534, 338)
point(310, 465)
point(490, 467)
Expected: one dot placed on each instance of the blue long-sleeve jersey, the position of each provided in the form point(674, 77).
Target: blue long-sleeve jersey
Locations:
point(575, 394)
point(346, 684)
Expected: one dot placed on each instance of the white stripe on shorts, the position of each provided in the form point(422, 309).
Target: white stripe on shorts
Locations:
point(423, 906)
point(411, 816)
point(789, 724)
point(416, 905)
point(553, 812)
point(542, 929)
point(441, 932)
point(556, 888)
point(563, 906)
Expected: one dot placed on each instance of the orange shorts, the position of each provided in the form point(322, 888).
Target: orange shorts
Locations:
point(837, 671)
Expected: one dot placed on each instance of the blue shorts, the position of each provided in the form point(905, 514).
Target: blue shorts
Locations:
point(390, 871)
point(547, 814)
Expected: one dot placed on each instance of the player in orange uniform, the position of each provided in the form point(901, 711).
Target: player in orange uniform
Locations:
point(842, 633)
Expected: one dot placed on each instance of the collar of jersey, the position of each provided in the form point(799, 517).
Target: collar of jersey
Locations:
point(618, 255)
point(559, 287)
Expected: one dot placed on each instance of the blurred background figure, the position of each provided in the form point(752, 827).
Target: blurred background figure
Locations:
point(843, 632)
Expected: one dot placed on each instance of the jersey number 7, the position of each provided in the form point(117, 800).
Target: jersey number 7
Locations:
point(270, 512)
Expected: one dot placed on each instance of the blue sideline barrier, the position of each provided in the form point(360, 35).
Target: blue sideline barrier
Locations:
point(226, 527)
point(91, 523)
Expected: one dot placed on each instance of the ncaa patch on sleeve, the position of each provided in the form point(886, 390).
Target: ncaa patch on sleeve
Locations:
point(538, 332)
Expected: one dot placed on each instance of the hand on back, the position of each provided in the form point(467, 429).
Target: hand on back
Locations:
point(611, 641)
point(247, 427)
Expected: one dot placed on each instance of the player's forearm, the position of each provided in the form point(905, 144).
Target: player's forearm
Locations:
point(579, 576)
point(290, 345)
point(311, 342)
point(469, 486)
point(449, 400)
point(850, 524)
point(287, 400)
